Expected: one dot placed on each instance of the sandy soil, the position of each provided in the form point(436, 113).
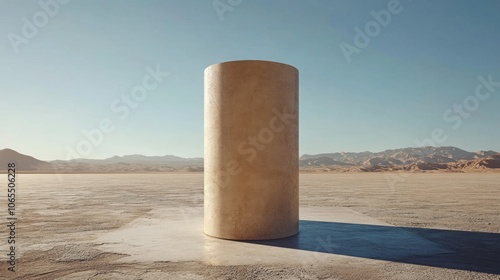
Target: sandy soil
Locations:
point(61, 217)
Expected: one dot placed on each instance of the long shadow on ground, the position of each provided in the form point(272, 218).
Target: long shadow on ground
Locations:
point(465, 250)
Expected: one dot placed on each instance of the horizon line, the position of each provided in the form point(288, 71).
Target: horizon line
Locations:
point(197, 157)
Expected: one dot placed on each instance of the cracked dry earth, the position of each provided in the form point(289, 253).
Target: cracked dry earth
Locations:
point(62, 217)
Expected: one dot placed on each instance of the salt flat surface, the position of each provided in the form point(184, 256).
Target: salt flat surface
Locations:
point(353, 226)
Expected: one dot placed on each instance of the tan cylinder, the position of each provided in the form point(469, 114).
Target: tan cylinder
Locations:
point(251, 150)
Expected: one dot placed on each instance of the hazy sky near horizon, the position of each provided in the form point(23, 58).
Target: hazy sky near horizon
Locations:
point(416, 78)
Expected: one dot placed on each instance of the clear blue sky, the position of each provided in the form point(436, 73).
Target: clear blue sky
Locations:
point(66, 76)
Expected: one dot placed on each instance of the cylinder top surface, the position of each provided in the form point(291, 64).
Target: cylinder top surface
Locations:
point(249, 61)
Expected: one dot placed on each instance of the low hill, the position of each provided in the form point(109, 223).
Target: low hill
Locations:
point(23, 162)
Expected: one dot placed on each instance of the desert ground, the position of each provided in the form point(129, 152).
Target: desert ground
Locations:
point(148, 226)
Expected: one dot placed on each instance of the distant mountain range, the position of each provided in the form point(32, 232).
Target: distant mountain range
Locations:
point(407, 159)
point(116, 164)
